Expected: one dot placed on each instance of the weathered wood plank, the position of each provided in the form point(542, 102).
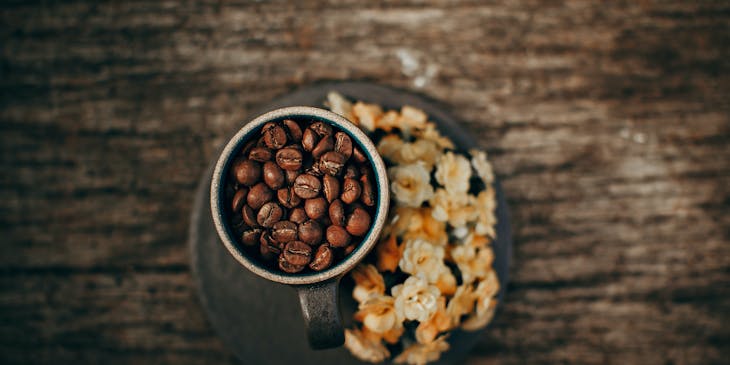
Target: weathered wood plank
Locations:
point(96, 316)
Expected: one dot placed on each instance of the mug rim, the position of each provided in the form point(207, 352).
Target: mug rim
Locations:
point(218, 185)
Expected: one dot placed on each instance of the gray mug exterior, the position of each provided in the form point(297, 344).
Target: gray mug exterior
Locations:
point(317, 291)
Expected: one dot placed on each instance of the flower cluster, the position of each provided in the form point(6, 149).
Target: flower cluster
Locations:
point(436, 246)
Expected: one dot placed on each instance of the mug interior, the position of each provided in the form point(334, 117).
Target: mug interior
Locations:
point(221, 215)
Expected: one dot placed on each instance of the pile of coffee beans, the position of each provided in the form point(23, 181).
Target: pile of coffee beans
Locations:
point(301, 194)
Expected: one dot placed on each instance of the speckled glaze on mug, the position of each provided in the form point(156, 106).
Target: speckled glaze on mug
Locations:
point(317, 290)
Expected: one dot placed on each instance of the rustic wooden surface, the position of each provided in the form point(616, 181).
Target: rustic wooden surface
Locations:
point(609, 124)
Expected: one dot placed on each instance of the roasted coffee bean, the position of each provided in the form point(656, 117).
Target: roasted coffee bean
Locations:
point(287, 267)
point(307, 186)
point(267, 247)
point(249, 216)
point(316, 207)
point(350, 191)
point(238, 224)
point(261, 154)
point(337, 213)
point(337, 236)
point(248, 147)
point(260, 142)
point(275, 137)
point(239, 198)
point(322, 258)
point(367, 196)
point(349, 208)
point(321, 128)
point(284, 231)
point(330, 187)
point(289, 158)
point(267, 240)
point(269, 214)
point(351, 171)
point(247, 172)
point(358, 155)
point(332, 163)
point(314, 169)
point(343, 144)
point(259, 195)
point(324, 193)
point(348, 250)
point(288, 198)
point(251, 236)
point(297, 253)
point(269, 253)
point(291, 175)
point(310, 232)
point(358, 222)
point(365, 171)
point(273, 175)
point(298, 215)
point(295, 131)
point(309, 139)
point(325, 145)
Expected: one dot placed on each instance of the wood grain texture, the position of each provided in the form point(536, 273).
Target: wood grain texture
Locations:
point(609, 124)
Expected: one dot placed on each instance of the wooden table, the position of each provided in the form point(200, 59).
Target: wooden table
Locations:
point(609, 124)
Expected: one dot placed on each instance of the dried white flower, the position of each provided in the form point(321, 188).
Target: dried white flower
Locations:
point(410, 184)
point(430, 133)
point(440, 321)
point(367, 115)
point(368, 282)
point(473, 262)
point(475, 240)
point(480, 319)
point(483, 315)
point(460, 232)
point(408, 220)
point(420, 151)
point(416, 149)
point(461, 303)
point(425, 226)
point(486, 219)
point(387, 254)
point(390, 146)
point(423, 259)
point(453, 172)
point(482, 166)
point(340, 105)
point(446, 281)
point(457, 208)
point(394, 149)
point(388, 121)
point(377, 313)
point(420, 354)
point(488, 287)
point(415, 223)
point(415, 299)
point(411, 117)
point(364, 346)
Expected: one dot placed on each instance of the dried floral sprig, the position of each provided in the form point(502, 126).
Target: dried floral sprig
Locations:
point(435, 252)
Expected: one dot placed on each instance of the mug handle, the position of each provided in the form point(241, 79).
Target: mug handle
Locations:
point(321, 311)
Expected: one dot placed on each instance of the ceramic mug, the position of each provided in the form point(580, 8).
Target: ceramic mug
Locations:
point(317, 291)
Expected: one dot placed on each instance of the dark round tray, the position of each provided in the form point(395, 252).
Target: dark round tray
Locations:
point(260, 321)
